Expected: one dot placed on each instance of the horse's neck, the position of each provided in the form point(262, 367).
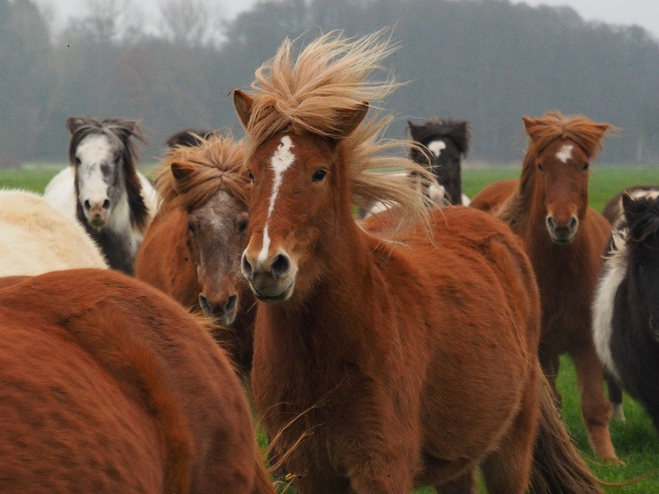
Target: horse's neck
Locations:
point(335, 310)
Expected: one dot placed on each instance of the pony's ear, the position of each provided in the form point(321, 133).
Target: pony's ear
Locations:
point(74, 123)
point(602, 129)
point(414, 130)
point(350, 119)
point(243, 104)
point(460, 133)
point(529, 123)
point(633, 208)
point(181, 170)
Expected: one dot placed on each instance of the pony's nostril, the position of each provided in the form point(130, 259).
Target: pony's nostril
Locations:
point(205, 306)
point(573, 223)
point(231, 304)
point(87, 205)
point(280, 266)
point(106, 204)
point(248, 272)
point(550, 223)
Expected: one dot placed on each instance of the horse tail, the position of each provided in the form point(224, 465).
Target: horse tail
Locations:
point(557, 465)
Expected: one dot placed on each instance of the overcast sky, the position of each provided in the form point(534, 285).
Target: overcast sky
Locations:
point(644, 13)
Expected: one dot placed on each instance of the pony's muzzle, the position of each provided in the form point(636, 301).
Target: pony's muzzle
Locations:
point(224, 311)
point(97, 211)
point(562, 232)
point(271, 279)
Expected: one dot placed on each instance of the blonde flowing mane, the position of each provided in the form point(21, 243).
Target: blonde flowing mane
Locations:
point(542, 131)
point(312, 94)
point(216, 164)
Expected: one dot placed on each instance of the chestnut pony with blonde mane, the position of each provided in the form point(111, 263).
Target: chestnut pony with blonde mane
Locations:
point(107, 385)
point(380, 366)
point(193, 246)
point(565, 239)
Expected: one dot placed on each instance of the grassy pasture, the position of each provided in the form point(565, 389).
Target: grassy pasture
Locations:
point(635, 440)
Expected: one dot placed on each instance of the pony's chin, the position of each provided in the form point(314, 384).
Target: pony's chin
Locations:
point(561, 240)
point(227, 319)
point(273, 297)
point(97, 223)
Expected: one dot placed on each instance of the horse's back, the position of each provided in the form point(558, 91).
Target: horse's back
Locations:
point(494, 195)
point(60, 192)
point(164, 260)
point(169, 370)
point(67, 425)
point(37, 238)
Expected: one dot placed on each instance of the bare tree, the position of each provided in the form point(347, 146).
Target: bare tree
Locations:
point(188, 22)
point(109, 19)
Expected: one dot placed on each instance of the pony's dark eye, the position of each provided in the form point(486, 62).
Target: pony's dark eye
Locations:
point(319, 175)
point(192, 228)
point(585, 167)
point(540, 167)
point(242, 226)
point(77, 161)
point(249, 174)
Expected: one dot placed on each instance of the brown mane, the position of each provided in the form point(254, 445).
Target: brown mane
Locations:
point(217, 163)
point(542, 131)
point(313, 93)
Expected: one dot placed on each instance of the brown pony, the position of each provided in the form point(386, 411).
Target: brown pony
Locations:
point(193, 246)
point(107, 385)
point(565, 239)
point(404, 364)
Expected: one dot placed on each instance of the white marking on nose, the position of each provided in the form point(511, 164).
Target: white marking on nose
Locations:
point(280, 162)
point(565, 153)
point(436, 147)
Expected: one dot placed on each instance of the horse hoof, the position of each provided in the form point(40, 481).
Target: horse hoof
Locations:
point(618, 413)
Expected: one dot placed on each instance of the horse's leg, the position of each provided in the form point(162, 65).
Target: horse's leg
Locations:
point(595, 408)
point(466, 484)
point(615, 397)
point(507, 470)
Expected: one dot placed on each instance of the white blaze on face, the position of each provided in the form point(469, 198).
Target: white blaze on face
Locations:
point(565, 153)
point(436, 147)
point(280, 162)
point(91, 152)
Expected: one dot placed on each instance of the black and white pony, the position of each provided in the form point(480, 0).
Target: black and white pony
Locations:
point(626, 305)
point(102, 188)
point(444, 144)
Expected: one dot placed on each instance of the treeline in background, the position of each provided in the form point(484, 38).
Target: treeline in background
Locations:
point(486, 61)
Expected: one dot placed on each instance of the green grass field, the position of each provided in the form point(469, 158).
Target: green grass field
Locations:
point(635, 440)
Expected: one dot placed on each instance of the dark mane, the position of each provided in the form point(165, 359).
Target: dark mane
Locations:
point(120, 133)
point(457, 131)
point(189, 138)
point(543, 131)
point(642, 219)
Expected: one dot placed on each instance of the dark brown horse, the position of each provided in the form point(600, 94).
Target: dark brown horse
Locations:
point(408, 363)
point(107, 385)
point(565, 239)
point(193, 246)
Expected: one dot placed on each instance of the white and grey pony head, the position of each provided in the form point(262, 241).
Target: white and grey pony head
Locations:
point(103, 155)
